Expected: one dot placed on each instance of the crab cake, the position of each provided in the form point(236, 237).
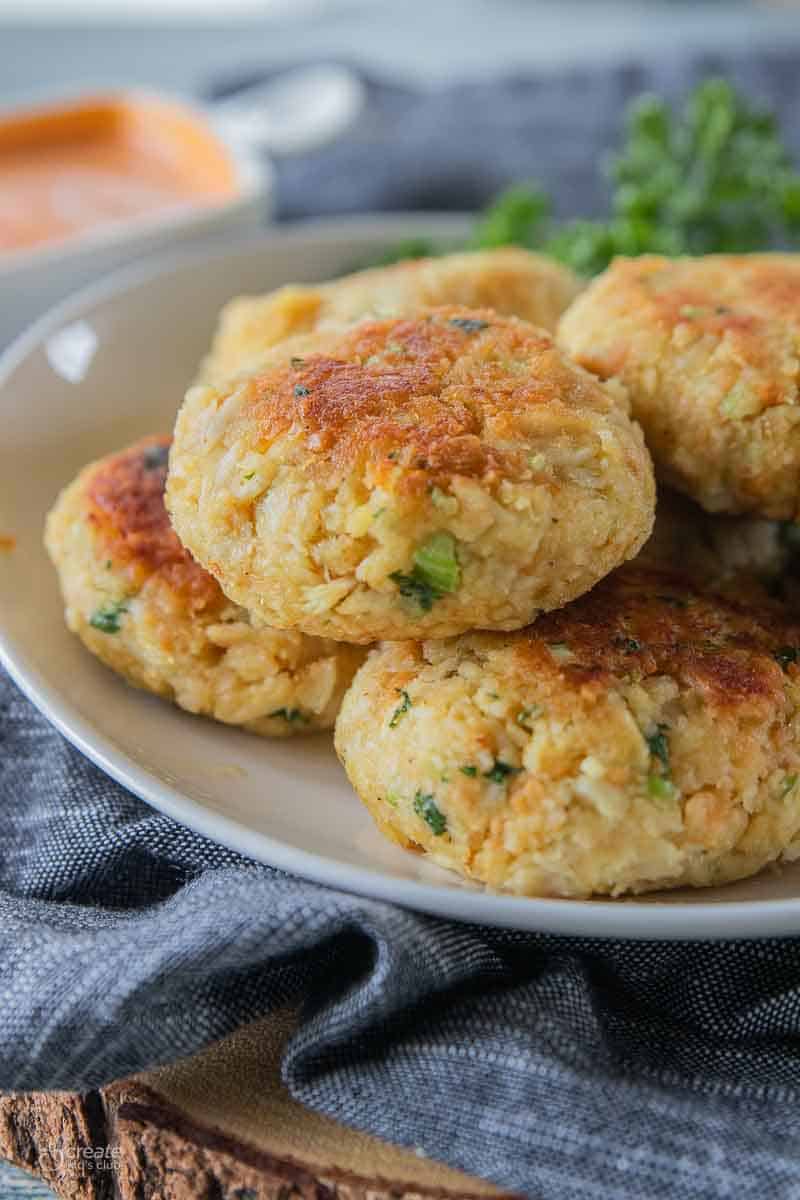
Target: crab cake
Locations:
point(138, 601)
point(708, 349)
point(510, 280)
point(645, 737)
point(410, 477)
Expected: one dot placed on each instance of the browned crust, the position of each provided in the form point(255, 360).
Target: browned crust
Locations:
point(125, 507)
point(434, 392)
point(641, 622)
point(731, 297)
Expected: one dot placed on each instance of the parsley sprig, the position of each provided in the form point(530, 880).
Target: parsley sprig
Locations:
point(714, 177)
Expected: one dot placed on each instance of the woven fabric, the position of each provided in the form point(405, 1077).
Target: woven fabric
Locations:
point(555, 1067)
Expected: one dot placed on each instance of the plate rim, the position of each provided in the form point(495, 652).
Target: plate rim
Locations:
point(626, 918)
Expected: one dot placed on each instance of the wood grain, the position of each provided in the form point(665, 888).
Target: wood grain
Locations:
point(218, 1126)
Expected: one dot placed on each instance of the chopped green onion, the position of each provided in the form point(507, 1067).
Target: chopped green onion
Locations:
point(425, 806)
point(788, 783)
point(660, 788)
point(435, 561)
point(300, 390)
point(470, 772)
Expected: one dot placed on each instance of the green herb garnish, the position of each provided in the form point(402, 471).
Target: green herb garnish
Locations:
point(401, 709)
point(415, 589)
point(713, 178)
point(300, 390)
point(435, 561)
point(658, 745)
point(435, 573)
point(425, 806)
point(107, 618)
point(250, 475)
point(660, 788)
point(469, 324)
point(155, 457)
point(787, 785)
point(291, 715)
point(500, 771)
point(470, 772)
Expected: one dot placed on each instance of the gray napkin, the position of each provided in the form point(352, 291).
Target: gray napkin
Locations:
point(559, 1068)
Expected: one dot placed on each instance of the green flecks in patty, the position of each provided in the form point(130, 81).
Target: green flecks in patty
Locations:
point(469, 771)
point(788, 785)
point(435, 573)
point(658, 745)
point(469, 324)
point(393, 799)
point(301, 390)
point(108, 619)
point(292, 715)
point(435, 561)
point(401, 709)
point(785, 656)
point(660, 788)
point(415, 589)
point(155, 457)
point(500, 771)
point(426, 807)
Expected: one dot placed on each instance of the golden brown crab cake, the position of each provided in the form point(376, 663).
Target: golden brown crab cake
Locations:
point(645, 737)
point(510, 280)
point(411, 477)
point(139, 601)
point(708, 351)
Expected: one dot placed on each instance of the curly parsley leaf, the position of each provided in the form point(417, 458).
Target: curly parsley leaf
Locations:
point(714, 177)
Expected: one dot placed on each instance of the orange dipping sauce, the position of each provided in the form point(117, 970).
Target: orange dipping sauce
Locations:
point(68, 170)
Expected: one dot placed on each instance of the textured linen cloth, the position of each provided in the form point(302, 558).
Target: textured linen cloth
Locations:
point(560, 1068)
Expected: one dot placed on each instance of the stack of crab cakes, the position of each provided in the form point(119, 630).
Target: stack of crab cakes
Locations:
point(419, 502)
point(646, 735)
point(140, 601)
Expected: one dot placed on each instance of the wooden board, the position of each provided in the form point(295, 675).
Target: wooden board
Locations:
point(218, 1126)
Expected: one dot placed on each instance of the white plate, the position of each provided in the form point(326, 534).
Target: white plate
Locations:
point(112, 364)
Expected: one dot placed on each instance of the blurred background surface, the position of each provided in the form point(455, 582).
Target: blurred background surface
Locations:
point(182, 44)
